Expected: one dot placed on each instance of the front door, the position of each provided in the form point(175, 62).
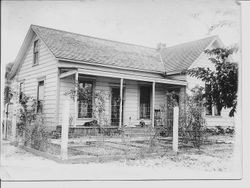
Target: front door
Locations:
point(115, 106)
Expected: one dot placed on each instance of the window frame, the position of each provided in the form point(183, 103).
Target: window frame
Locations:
point(36, 52)
point(21, 91)
point(148, 117)
point(38, 110)
point(84, 81)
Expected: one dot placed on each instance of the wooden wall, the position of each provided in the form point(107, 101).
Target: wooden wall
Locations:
point(30, 75)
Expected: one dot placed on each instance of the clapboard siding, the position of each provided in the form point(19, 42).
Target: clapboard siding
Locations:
point(131, 104)
point(223, 120)
point(47, 68)
point(66, 84)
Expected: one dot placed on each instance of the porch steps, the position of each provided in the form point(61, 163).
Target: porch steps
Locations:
point(138, 131)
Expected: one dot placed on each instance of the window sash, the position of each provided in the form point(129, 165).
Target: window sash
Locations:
point(40, 96)
point(35, 52)
point(21, 90)
point(85, 106)
point(145, 102)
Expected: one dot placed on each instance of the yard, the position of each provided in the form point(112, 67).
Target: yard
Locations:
point(189, 163)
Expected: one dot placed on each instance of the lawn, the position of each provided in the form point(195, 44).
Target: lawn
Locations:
point(216, 157)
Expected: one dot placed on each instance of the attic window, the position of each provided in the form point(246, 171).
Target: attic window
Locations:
point(35, 52)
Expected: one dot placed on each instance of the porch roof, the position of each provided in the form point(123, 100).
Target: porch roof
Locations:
point(127, 76)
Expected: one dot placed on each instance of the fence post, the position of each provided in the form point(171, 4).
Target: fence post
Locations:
point(65, 130)
point(175, 129)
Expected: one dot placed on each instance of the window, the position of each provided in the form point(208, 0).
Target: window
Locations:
point(211, 109)
point(35, 52)
point(21, 91)
point(216, 111)
point(40, 97)
point(85, 99)
point(145, 102)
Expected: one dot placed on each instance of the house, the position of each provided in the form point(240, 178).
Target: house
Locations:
point(51, 61)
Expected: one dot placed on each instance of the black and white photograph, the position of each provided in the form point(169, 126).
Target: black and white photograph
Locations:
point(120, 90)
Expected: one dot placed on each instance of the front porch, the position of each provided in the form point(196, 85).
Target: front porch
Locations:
point(127, 101)
point(116, 105)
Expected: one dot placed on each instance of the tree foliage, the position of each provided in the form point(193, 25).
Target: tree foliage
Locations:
point(222, 81)
point(8, 93)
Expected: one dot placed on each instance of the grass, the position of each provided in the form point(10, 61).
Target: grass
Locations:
point(216, 156)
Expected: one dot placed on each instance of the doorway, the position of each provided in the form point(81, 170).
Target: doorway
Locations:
point(115, 106)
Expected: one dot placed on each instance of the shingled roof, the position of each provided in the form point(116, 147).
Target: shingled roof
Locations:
point(180, 57)
point(76, 47)
point(81, 48)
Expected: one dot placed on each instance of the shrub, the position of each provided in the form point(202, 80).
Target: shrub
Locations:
point(39, 136)
point(36, 136)
point(31, 126)
point(230, 130)
point(193, 125)
point(220, 130)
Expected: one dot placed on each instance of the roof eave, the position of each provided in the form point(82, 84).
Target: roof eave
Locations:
point(21, 52)
point(109, 66)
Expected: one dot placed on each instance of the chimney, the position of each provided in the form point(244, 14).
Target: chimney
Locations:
point(160, 46)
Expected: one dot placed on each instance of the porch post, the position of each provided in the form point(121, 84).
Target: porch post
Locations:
point(76, 89)
point(65, 129)
point(121, 98)
point(175, 129)
point(153, 104)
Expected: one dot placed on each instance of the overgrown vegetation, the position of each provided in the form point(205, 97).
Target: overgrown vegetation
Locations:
point(222, 82)
point(32, 127)
point(192, 124)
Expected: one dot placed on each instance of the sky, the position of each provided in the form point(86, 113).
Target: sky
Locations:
point(143, 22)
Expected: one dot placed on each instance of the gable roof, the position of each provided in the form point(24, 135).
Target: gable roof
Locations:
point(81, 48)
point(180, 57)
point(76, 47)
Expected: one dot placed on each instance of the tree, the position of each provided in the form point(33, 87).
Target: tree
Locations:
point(222, 82)
point(7, 89)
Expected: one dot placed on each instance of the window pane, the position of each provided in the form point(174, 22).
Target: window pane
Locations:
point(35, 52)
point(21, 91)
point(36, 46)
point(145, 102)
point(41, 90)
point(85, 99)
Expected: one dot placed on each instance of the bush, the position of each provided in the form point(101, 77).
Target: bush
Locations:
point(230, 130)
point(219, 130)
point(36, 135)
point(193, 125)
point(31, 127)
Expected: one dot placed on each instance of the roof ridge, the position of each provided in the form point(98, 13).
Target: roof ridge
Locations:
point(191, 41)
point(98, 38)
